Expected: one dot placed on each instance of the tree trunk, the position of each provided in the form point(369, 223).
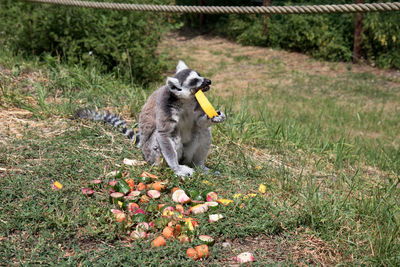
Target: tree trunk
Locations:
point(266, 17)
point(358, 27)
point(202, 19)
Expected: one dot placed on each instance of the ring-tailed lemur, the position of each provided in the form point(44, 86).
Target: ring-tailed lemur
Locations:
point(172, 124)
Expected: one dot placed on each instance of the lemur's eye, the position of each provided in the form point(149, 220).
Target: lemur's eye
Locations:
point(194, 82)
point(176, 88)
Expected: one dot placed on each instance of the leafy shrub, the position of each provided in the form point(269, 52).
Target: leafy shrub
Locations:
point(192, 20)
point(302, 33)
point(381, 39)
point(311, 34)
point(124, 42)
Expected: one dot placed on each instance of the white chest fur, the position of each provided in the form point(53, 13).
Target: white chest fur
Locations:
point(186, 124)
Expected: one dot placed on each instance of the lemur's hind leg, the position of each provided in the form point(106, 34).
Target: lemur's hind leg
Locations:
point(200, 155)
point(151, 151)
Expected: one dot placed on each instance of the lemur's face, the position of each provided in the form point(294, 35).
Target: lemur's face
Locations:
point(187, 82)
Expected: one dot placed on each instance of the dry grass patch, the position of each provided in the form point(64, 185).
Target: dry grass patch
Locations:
point(22, 79)
point(299, 248)
point(15, 121)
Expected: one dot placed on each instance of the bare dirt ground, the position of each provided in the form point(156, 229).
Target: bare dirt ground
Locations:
point(227, 62)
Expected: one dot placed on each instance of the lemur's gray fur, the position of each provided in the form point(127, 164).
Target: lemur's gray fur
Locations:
point(172, 124)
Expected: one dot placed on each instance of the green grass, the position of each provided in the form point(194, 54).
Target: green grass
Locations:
point(312, 146)
point(348, 116)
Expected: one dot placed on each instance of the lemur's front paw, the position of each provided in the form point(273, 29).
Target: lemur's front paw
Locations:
point(220, 118)
point(204, 121)
point(183, 171)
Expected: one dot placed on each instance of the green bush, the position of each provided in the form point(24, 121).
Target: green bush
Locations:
point(124, 42)
point(381, 39)
point(302, 33)
point(313, 34)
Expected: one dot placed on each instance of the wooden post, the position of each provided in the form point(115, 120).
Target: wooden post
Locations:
point(358, 28)
point(202, 19)
point(266, 17)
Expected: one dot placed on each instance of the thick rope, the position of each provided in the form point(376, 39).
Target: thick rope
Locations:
point(315, 9)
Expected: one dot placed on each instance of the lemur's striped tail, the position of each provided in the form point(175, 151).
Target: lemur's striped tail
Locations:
point(115, 120)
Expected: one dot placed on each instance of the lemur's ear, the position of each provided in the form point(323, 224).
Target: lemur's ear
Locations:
point(173, 84)
point(181, 66)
